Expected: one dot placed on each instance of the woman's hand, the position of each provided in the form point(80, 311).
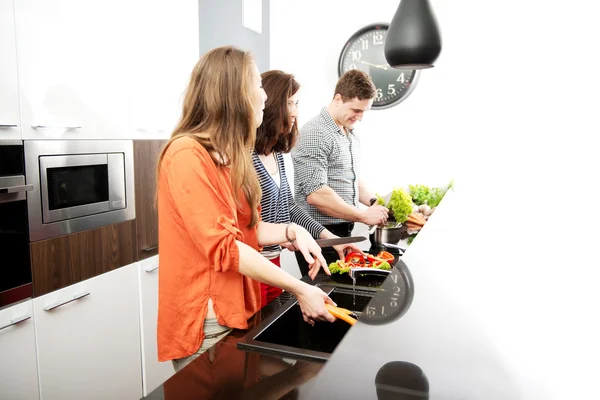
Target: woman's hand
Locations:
point(341, 249)
point(310, 250)
point(344, 249)
point(311, 300)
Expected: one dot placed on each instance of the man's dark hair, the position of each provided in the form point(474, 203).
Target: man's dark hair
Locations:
point(355, 84)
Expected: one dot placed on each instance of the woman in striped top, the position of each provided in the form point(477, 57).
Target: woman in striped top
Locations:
point(277, 135)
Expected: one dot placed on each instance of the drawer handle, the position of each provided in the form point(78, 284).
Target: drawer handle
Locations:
point(69, 128)
point(151, 268)
point(7, 126)
point(75, 298)
point(16, 321)
point(16, 189)
point(149, 249)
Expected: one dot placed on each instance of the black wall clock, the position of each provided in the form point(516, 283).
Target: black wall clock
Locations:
point(364, 51)
point(393, 299)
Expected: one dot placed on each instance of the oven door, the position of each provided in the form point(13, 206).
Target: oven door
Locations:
point(15, 274)
point(79, 185)
point(15, 270)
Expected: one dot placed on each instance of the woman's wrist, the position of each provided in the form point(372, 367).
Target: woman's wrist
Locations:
point(290, 232)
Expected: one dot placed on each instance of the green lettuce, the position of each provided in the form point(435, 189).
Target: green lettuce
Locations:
point(422, 194)
point(401, 204)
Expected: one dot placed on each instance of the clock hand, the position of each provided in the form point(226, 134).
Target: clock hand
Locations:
point(374, 65)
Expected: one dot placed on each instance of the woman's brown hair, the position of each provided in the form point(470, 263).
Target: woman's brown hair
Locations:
point(218, 113)
point(274, 133)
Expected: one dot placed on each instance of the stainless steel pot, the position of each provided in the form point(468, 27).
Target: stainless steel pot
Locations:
point(386, 234)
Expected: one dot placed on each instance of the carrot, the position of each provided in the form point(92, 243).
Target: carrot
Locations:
point(421, 217)
point(414, 227)
point(340, 315)
point(415, 220)
point(342, 310)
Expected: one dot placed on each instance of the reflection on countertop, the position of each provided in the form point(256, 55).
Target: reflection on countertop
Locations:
point(224, 372)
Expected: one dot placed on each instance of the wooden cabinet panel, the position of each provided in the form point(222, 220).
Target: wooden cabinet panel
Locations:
point(65, 260)
point(146, 154)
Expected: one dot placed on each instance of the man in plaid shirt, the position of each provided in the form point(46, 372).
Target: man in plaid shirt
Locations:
point(326, 160)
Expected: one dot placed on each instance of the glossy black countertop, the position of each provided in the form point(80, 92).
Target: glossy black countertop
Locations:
point(470, 332)
point(224, 372)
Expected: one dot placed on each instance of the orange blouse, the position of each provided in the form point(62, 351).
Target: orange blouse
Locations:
point(198, 224)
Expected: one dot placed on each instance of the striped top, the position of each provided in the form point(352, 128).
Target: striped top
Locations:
point(324, 155)
point(277, 203)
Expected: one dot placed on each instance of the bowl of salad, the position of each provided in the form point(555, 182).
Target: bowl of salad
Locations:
point(372, 269)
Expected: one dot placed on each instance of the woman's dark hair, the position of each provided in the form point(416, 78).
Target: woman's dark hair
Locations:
point(274, 134)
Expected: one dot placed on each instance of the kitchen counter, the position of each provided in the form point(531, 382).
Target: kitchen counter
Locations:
point(470, 333)
point(224, 372)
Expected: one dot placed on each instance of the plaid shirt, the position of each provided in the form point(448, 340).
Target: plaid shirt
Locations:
point(324, 155)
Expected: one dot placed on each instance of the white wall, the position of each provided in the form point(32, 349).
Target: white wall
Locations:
point(509, 111)
point(400, 146)
point(306, 40)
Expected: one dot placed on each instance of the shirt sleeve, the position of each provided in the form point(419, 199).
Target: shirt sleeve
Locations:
point(310, 158)
point(301, 217)
point(206, 207)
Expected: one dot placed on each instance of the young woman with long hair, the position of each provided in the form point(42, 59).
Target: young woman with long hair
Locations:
point(275, 136)
point(210, 231)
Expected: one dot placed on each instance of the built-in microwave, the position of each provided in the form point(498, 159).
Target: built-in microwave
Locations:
point(78, 185)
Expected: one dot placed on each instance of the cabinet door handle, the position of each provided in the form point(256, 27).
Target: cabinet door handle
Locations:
point(16, 321)
point(151, 268)
point(55, 127)
point(7, 126)
point(76, 297)
point(149, 249)
point(16, 189)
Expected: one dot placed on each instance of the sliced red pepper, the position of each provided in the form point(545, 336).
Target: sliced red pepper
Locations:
point(355, 258)
point(372, 259)
point(385, 255)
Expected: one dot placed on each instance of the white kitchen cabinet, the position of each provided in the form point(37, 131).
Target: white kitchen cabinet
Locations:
point(88, 337)
point(10, 120)
point(166, 49)
point(154, 372)
point(18, 364)
point(74, 64)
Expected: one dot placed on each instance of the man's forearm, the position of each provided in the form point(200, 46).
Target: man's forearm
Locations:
point(364, 193)
point(330, 203)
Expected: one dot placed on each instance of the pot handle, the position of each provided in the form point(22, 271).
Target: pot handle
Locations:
point(354, 272)
point(394, 246)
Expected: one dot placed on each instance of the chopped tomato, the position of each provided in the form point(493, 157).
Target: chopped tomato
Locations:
point(385, 255)
point(355, 258)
